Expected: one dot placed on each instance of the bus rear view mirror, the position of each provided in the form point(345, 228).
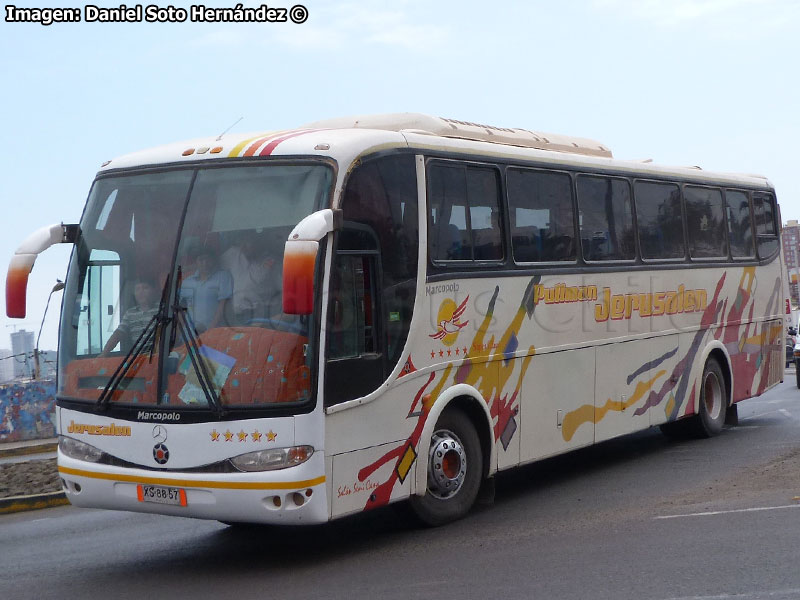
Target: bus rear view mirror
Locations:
point(25, 256)
point(300, 259)
point(299, 264)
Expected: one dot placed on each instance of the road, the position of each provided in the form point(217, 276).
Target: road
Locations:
point(639, 517)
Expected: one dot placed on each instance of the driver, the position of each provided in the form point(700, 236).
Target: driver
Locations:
point(136, 317)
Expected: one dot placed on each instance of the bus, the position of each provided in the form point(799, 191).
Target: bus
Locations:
point(299, 325)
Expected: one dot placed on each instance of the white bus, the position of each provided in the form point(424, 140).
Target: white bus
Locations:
point(299, 325)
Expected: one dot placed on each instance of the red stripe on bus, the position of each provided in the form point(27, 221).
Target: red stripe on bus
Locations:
point(251, 150)
point(274, 143)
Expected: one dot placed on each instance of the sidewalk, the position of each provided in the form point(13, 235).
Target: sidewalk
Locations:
point(28, 447)
point(33, 483)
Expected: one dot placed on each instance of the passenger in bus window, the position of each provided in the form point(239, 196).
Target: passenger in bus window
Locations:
point(136, 317)
point(206, 293)
point(255, 284)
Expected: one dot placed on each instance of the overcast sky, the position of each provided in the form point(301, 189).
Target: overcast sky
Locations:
point(711, 83)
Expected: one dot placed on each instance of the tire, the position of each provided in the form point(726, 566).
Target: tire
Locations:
point(713, 401)
point(712, 407)
point(455, 471)
point(797, 373)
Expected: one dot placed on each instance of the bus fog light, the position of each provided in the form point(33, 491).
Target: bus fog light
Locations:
point(298, 499)
point(270, 460)
point(79, 450)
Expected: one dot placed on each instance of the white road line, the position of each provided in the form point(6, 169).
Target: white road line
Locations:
point(728, 512)
point(788, 593)
point(763, 414)
point(786, 413)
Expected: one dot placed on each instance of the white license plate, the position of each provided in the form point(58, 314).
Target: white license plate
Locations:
point(161, 495)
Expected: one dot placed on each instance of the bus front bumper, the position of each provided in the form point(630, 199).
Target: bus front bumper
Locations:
point(296, 495)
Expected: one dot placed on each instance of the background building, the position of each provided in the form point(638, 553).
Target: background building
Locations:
point(6, 366)
point(22, 347)
point(791, 255)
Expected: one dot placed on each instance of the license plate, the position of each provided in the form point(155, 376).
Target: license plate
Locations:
point(161, 495)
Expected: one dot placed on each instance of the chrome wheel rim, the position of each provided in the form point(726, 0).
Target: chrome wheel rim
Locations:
point(447, 466)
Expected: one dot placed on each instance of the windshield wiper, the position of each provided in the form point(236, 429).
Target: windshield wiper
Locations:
point(149, 335)
point(187, 330)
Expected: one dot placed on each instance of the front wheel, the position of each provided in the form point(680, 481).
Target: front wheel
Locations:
point(455, 470)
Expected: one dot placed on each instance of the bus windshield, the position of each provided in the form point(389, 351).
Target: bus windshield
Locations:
point(174, 292)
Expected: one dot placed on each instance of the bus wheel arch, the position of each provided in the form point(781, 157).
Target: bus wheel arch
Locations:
point(456, 454)
point(724, 362)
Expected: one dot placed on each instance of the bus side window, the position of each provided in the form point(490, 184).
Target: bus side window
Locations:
point(659, 216)
point(464, 217)
point(705, 222)
point(605, 218)
point(740, 224)
point(540, 205)
point(766, 230)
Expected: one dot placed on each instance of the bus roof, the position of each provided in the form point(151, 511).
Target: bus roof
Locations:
point(347, 138)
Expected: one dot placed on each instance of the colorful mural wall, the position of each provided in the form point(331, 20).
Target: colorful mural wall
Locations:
point(27, 411)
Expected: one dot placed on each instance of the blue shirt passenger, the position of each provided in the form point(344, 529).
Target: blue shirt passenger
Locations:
point(206, 293)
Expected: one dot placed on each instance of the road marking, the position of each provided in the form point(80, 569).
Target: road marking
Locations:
point(767, 412)
point(789, 593)
point(728, 512)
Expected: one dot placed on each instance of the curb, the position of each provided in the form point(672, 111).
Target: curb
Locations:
point(33, 502)
point(22, 450)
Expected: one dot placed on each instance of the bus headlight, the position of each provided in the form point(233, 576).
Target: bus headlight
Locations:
point(270, 460)
point(79, 450)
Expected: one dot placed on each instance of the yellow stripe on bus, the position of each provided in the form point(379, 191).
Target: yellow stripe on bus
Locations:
point(228, 485)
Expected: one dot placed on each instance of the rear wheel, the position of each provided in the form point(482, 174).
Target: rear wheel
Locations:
point(711, 410)
point(713, 400)
point(455, 469)
point(797, 373)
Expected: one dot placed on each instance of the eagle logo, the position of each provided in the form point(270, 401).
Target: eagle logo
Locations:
point(449, 321)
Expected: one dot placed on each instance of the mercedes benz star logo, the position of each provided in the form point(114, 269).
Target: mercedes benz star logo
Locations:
point(160, 434)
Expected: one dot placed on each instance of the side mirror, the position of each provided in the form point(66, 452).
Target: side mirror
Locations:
point(25, 256)
point(300, 259)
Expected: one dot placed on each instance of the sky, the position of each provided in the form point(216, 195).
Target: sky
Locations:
point(706, 82)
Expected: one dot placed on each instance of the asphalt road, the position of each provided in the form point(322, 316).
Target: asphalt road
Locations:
point(639, 517)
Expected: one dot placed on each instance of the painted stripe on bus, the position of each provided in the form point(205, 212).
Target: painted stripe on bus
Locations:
point(274, 143)
point(191, 483)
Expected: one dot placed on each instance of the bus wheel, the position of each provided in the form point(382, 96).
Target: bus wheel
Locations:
point(712, 409)
point(455, 470)
point(713, 401)
point(797, 373)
